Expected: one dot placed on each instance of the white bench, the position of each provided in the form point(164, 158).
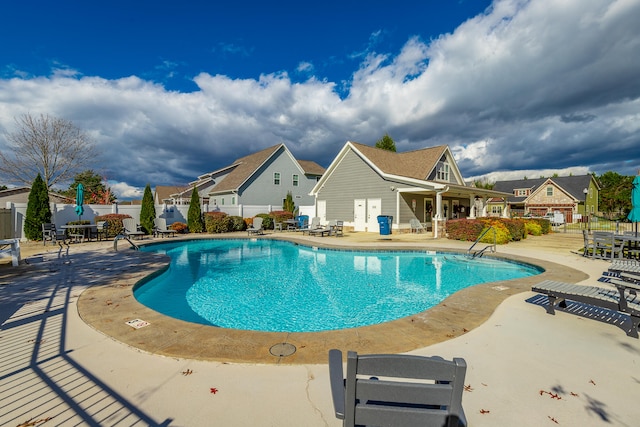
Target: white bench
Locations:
point(11, 247)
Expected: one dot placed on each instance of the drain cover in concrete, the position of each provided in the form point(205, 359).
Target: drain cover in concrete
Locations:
point(282, 349)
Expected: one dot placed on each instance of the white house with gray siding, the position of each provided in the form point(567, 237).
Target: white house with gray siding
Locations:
point(363, 182)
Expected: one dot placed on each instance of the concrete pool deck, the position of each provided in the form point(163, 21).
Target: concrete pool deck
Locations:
point(524, 366)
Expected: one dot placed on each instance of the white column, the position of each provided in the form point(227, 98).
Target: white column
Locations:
point(472, 207)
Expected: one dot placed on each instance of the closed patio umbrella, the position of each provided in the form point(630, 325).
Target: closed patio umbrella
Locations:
point(79, 200)
point(634, 215)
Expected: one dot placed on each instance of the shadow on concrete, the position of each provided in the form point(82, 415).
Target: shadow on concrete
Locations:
point(39, 379)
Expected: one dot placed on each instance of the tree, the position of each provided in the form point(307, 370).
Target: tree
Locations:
point(194, 217)
point(95, 190)
point(3, 187)
point(52, 147)
point(147, 211)
point(615, 193)
point(386, 143)
point(288, 204)
point(38, 210)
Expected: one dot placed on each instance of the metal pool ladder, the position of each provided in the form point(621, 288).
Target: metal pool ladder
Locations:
point(481, 251)
point(122, 236)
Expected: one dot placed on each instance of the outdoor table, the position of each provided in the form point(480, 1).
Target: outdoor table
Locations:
point(292, 224)
point(83, 227)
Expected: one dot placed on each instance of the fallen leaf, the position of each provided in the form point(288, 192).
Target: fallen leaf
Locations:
point(553, 419)
point(484, 411)
point(214, 390)
point(468, 388)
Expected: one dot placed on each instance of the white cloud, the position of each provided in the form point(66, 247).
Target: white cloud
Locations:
point(528, 85)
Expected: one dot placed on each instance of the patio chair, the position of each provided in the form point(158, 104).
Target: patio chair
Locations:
point(397, 389)
point(52, 234)
point(415, 225)
point(314, 226)
point(606, 246)
point(256, 227)
point(102, 230)
point(160, 228)
point(338, 229)
point(10, 248)
point(131, 228)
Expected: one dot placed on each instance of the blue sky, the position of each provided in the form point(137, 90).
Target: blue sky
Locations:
point(172, 90)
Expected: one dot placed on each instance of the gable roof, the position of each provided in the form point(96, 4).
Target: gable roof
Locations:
point(17, 191)
point(245, 167)
point(165, 192)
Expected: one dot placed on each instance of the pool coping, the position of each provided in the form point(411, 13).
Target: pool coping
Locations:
point(107, 308)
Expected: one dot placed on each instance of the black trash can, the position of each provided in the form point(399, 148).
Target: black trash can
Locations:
point(385, 224)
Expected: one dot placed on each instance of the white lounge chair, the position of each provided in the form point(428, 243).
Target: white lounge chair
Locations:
point(256, 227)
point(416, 227)
point(131, 229)
point(160, 228)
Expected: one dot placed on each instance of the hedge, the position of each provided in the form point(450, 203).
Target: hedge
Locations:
point(507, 230)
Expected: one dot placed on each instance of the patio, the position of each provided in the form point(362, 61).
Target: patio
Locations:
point(524, 366)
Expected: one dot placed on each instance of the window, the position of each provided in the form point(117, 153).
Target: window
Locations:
point(295, 180)
point(549, 191)
point(233, 201)
point(276, 178)
point(520, 193)
point(222, 202)
point(443, 172)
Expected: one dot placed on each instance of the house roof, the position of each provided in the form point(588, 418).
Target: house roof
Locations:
point(244, 167)
point(573, 185)
point(53, 197)
point(310, 167)
point(164, 192)
point(416, 164)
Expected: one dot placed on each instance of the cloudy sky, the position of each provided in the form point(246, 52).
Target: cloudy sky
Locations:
point(170, 90)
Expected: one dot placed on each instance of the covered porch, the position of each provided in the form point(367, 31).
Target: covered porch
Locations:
point(433, 204)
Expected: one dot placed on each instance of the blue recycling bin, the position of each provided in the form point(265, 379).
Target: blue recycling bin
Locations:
point(384, 221)
point(303, 221)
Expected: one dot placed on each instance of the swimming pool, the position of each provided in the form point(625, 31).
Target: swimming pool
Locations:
point(276, 286)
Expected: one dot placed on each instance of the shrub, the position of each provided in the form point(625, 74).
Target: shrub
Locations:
point(114, 223)
point(464, 229)
point(533, 228)
point(267, 221)
point(238, 223)
point(515, 227)
point(218, 222)
point(179, 227)
point(280, 216)
point(502, 235)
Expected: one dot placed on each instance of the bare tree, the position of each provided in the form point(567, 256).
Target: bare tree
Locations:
point(51, 146)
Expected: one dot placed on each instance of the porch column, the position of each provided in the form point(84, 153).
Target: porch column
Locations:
point(472, 207)
point(505, 209)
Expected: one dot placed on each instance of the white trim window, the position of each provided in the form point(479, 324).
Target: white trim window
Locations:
point(549, 191)
point(276, 178)
point(443, 172)
point(295, 180)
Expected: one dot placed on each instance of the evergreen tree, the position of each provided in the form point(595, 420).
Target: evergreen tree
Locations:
point(386, 143)
point(38, 209)
point(289, 205)
point(147, 211)
point(194, 217)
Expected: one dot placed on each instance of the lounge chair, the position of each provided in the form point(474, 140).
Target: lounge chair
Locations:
point(256, 227)
point(10, 247)
point(160, 228)
point(397, 389)
point(605, 245)
point(624, 298)
point(131, 228)
point(52, 234)
point(415, 225)
point(315, 225)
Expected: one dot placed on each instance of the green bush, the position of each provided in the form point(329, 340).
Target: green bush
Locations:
point(194, 216)
point(533, 228)
point(38, 211)
point(267, 221)
point(218, 222)
point(114, 225)
point(238, 223)
point(516, 228)
point(147, 211)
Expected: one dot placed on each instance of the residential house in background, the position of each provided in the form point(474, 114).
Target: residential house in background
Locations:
point(573, 196)
point(261, 179)
point(364, 182)
point(21, 195)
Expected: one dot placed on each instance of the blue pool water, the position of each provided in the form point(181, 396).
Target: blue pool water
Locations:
point(268, 285)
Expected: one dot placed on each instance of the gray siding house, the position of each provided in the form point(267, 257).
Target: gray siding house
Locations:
point(363, 182)
point(261, 178)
